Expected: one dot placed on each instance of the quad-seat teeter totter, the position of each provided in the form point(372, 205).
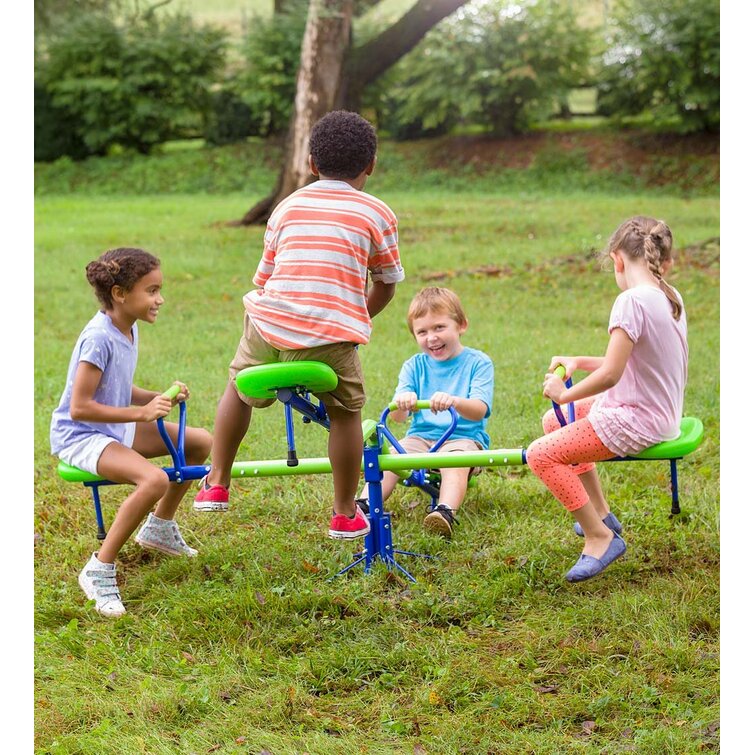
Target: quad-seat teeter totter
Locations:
point(292, 383)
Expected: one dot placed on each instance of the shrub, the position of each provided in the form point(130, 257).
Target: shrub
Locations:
point(55, 130)
point(134, 85)
point(272, 50)
point(230, 119)
point(664, 58)
point(494, 63)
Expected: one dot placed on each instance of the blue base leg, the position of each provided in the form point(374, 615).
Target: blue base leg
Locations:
point(378, 542)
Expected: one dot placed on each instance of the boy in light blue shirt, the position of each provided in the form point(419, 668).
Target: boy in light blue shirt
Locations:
point(448, 374)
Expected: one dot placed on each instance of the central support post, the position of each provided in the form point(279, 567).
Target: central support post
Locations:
point(378, 543)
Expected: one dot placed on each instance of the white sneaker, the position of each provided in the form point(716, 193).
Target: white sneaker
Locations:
point(163, 535)
point(97, 580)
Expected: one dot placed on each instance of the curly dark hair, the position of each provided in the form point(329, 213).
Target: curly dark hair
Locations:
point(118, 267)
point(342, 144)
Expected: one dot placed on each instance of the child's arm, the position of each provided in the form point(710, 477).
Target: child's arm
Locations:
point(85, 409)
point(379, 296)
point(605, 375)
point(473, 409)
point(141, 396)
point(572, 364)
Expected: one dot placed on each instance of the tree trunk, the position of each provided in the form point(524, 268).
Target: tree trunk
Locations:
point(326, 41)
point(332, 76)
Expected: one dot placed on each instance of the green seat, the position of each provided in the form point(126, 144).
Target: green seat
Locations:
point(690, 438)
point(264, 380)
point(74, 474)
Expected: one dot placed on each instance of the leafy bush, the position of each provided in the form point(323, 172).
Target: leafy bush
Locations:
point(230, 119)
point(495, 63)
point(136, 84)
point(664, 57)
point(55, 130)
point(272, 50)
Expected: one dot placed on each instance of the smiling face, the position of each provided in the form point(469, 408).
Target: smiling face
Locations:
point(438, 335)
point(143, 300)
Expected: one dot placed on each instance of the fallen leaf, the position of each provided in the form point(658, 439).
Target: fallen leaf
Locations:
point(260, 598)
point(310, 567)
point(240, 740)
point(588, 727)
point(214, 748)
point(419, 750)
point(188, 656)
point(548, 689)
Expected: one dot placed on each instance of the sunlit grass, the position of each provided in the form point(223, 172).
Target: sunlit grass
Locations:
point(249, 648)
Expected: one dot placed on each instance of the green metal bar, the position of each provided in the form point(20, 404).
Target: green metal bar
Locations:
point(388, 462)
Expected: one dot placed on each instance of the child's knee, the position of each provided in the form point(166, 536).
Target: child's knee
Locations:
point(550, 421)
point(155, 484)
point(201, 444)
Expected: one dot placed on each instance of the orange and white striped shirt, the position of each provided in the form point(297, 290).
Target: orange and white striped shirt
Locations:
point(319, 244)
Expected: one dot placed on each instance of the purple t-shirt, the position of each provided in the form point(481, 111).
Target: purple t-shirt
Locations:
point(645, 406)
point(104, 346)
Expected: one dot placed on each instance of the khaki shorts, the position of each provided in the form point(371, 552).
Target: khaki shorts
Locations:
point(413, 444)
point(254, 350)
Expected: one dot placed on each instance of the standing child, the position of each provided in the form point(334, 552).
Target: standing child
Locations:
point(106, 425)
point(631, 400)
point(313, 304)
point(451, 375)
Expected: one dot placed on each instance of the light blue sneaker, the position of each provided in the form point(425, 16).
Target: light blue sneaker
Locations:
point(589, 566)
point(163, 535)
point(610, 521)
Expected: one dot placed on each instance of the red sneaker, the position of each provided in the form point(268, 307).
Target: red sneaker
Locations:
point(343, 527)
point(211, 497)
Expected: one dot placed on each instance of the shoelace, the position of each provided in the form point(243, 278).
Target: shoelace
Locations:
point(444, 511)
point(103, 580)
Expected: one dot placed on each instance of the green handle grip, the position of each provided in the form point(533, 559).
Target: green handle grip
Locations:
point(424, 404)
point(172, 392)
point(560, 371)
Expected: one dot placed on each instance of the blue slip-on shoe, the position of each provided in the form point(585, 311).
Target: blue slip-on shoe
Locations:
point(589, 566)
point(610, 521)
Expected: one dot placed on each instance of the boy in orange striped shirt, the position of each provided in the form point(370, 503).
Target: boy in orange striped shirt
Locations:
point(313, 303)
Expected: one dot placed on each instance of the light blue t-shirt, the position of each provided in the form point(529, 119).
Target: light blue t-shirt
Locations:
point(104, 346)
point(469, 375)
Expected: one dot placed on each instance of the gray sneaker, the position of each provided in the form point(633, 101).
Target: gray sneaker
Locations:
point(609, 520)
point(97, 580)
point(163, 535)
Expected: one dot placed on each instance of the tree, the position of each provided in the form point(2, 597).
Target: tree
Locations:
point(664, 58)
point(333, 73)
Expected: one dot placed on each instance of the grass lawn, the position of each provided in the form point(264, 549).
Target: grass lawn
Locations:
point(248, 648)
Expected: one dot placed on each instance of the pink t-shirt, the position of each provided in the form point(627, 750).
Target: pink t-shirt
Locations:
point(645, 406)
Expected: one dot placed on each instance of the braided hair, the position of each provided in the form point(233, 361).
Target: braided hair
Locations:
point(118, 267)
point(650, 239)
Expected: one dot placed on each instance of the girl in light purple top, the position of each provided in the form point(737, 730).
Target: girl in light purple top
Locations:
point(106, 425)
point(632, 398)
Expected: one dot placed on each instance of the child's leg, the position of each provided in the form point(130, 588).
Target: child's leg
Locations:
point(345, 454)
point(453, 487)
point(587, 472)
point(149, 443)
point(552, 458)
point(231, 424)
point(388, 485)
point(121, 464)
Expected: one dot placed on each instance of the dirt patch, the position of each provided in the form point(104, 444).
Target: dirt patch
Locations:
point(653, 155)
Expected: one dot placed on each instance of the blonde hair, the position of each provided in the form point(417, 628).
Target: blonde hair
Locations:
point(651, 240)
point(434, 299)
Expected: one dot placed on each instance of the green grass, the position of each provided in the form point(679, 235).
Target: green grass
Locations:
point(248, 647)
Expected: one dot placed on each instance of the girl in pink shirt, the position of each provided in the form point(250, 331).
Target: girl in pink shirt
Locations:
point(632, 398)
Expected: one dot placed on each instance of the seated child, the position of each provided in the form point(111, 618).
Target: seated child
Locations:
point(449, 374)
point(106, 425)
